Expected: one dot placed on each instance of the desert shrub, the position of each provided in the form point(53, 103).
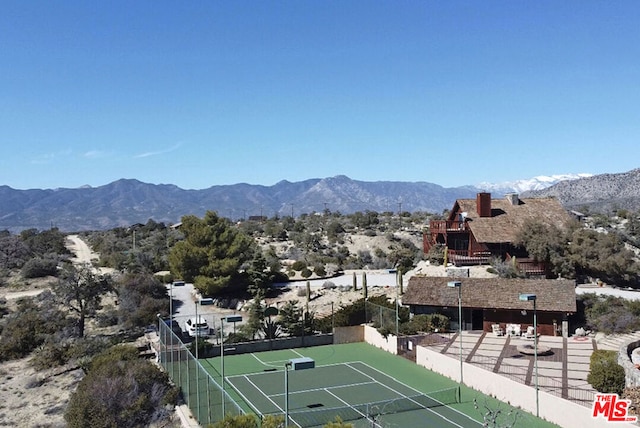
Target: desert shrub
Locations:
point(306, 273)
point(141, 297)
point(605, 374)
point(51, 354)
point(3, 309)
point(250, 421)
point(237, 421)
point(602, 354)
point(39, 267)
point(298, 265)
point(237, 337)
point(504, 269)
point(425, 323)
point(120, 390)
point(108, 317)
point(609, 314)
point(58, 351)
point(337, 423)
point(203, 347)
point(28, 327)
point(435, 256)
point(13, 252)
point(328, 285)
point(319, 270)
point(302, 292)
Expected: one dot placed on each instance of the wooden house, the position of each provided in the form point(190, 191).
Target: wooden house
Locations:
point(489, 301)
point(477, 230)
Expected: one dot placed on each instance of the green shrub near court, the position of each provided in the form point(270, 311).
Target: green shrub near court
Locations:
point(605, 374)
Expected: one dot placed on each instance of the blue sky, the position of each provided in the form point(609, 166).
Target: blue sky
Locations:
point(206, 93)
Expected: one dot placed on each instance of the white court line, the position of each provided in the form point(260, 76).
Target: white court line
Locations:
point(407, 386)
point(404, 396)
point(349, 405)
point(269, 364)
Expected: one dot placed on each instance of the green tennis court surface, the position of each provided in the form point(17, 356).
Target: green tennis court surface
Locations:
point(353, 391)
point(357, 382)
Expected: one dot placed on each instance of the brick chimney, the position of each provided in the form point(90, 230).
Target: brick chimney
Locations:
point(483, 204)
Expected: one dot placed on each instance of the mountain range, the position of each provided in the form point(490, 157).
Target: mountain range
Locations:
point(127, 201)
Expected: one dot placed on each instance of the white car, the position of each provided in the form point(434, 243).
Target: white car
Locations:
point(197, 327)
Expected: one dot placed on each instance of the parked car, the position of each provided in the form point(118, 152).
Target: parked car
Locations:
point(178, 283)
point(197, 327)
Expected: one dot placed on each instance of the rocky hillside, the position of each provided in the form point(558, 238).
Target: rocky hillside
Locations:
point(127, 202)
point(598, 193)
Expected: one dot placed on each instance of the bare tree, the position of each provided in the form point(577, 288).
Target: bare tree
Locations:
point(80, 289)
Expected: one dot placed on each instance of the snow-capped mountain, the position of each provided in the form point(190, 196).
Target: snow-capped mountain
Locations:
point(126, 202)
point(536, 183)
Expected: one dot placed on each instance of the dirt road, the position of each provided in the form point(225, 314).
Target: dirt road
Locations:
point(83, 254)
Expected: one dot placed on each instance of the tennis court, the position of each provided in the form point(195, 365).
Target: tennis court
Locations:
point(356, 390)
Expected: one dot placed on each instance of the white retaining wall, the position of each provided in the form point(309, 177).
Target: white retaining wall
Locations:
point(554, 409)
point(389, 344)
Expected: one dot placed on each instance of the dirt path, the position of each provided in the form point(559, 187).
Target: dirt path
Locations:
point(83, 253)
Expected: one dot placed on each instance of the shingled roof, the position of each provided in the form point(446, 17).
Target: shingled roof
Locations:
point(554, 295)
point(507, 219)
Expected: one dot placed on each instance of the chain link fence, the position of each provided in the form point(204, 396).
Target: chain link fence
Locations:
point(201, 392)
point(383, 318)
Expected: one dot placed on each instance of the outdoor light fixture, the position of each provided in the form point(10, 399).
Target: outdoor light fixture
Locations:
point(533, 298)
point(302, 363)
point(234, 319)
point(458, 285)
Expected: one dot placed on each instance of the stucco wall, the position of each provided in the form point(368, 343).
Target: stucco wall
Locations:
point(561, 412)
point(389, 344)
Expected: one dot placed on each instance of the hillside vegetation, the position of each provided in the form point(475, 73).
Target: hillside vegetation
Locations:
point(64, 329)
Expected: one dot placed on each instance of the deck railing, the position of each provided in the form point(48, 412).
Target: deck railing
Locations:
point(443, 226)
point(467, 258)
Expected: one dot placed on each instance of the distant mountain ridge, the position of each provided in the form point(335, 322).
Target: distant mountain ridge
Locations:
point(599, 193)
point(536, 183)
point(128, 201)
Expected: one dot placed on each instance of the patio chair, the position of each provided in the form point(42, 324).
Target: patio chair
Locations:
point(497, 330)
point(530, 333)
point(513, 329)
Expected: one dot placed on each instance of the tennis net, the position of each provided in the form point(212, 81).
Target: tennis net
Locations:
point(321, 416)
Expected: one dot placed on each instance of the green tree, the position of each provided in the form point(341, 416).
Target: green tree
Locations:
point(256, 316)
point(294, 321)
point(547, 244)
point(291, 318)
point(260, 277)
point(603, 256)
point(81, 290)
point(211, 254)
